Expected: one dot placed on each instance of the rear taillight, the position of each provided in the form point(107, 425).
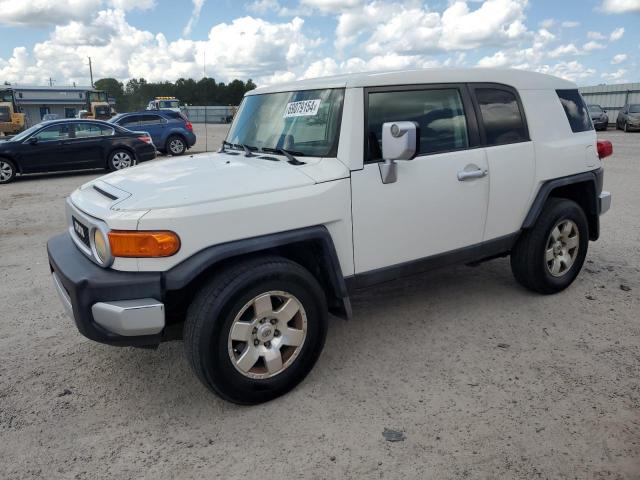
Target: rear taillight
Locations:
point(145, 138)
point(605, 148)
point(189, 126)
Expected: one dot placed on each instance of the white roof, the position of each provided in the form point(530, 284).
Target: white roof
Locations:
point(520, 79)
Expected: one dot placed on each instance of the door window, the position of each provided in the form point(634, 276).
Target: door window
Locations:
point(576, 110)
point(85, 130)
point(502, 119)
point(439, 114)
point(130, 121)
point(54, 132)
point(151, 119)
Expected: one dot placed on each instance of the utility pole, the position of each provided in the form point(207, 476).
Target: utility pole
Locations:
point(50, 82)
point(90, 72)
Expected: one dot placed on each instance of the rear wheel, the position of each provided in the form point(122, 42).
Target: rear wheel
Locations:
point(548, 257)
point(256, 329)
point(119, 159)
point(176, 145)
point(7, 170)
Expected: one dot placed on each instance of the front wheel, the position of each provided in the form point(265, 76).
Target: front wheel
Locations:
point(120, 159)
point(256, 329)
point(7, 170)
point(548, 257)
point(626, 127)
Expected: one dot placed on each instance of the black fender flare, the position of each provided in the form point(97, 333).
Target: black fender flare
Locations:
point(593, 178)
point(188, 270)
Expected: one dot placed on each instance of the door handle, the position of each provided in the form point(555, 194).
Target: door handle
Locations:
point(464, 175)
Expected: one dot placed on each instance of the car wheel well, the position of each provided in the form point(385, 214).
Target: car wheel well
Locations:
point(13, 162)
point(120, 147)
point(310, 254)
point(584, 194)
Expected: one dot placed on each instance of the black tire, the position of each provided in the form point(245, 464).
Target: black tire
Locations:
point(7, 170)
point(176, 145)
point(118, 160)
point(626, 127)
point(214, 308)
point(528, 256)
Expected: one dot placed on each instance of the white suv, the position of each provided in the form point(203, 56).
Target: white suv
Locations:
point(323, 186)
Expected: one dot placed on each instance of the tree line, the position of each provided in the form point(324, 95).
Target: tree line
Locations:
point(136, 93)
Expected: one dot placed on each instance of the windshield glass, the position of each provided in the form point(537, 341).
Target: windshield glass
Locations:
point(169, 104)
point(595, 109)
point(21, 136)
point(634, 108)
point(303, 122)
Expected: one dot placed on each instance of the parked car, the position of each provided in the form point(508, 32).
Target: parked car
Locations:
point(72, 144)
point(599, 117)
point(629, 117)
point(324, 186)
point(171, 132)
point(49, 116)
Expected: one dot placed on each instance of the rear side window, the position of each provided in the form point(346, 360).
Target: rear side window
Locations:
point(130, 121)
point(576, 110)
point(439, 113)
point(151, 119)
point(502, 119)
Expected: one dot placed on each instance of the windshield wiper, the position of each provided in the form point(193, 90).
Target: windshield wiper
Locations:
point(224, 144)
point(247, 150)
point(290, 158)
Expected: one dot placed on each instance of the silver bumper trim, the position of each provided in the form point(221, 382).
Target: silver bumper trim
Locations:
point(64, 296)
point(143, 316)
point(605, 202)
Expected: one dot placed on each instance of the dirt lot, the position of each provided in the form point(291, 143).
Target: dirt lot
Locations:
point(485, 379)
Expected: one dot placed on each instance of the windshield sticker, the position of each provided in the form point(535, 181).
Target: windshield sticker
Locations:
point(302, 109)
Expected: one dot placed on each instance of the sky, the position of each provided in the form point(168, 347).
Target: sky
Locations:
point(587, 41)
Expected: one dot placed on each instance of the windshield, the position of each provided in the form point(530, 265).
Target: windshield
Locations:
point(169, 104)
point(303, 122)
point(21, 136)
point(634, 108)
point(595, 109)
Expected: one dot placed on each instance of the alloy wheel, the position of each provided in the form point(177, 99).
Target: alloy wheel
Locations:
point(121, 160)
point(562, 247)
point(6, 171)
point(267, 335)
point(176, 146)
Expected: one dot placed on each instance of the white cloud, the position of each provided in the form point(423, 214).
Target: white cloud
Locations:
point(570, 24)
point(617, 76)
point(563, 50)
point(331, 6)
point(43, 12)
point(616, 34)
point(621, 6)
point(595, 36)
point(131, 5)
point(619, 58)
point(195, 15)
point(547, 23)
point(593, 45)
point(573, 70)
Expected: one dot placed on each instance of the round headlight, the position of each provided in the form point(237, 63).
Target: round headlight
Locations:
point(100, 245)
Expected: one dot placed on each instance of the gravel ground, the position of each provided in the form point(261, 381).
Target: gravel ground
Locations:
point(484, 379)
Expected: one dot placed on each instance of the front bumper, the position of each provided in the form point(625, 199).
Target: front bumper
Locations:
point(107, 306)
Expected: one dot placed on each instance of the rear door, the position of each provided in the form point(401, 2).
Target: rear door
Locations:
point(510, 156)
point(85, 149)
point(155, 125)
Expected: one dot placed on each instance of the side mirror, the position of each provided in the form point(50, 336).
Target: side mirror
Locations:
point(33, 140)
point(399, 142)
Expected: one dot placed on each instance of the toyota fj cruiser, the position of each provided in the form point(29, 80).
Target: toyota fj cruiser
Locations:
point(323, 186)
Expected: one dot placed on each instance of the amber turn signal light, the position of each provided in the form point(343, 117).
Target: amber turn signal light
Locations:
point(139, 244)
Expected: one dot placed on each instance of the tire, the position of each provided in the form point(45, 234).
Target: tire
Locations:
point(541, 250)
point(176, 145)
point(217, 309)
point(120, 159)
point(626, 127)
point(7, 170)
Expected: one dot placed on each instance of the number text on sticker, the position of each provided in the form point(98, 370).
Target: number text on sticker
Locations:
point(302, 108)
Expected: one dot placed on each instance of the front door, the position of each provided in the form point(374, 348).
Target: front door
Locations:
point(44, 151)
point(439, 201)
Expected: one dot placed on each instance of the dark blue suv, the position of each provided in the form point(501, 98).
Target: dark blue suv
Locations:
point(170, 131)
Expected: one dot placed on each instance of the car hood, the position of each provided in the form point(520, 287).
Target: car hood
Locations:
point(200, 178)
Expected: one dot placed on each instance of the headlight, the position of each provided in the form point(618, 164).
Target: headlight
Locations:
point(100, 245)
